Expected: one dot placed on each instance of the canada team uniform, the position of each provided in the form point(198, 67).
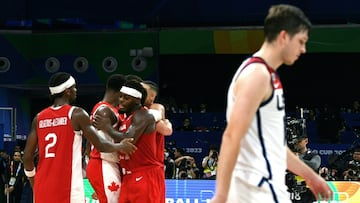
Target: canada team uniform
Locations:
point(160, 150)
point(103, 169)
point(142, 172)
point(261, 162)
point(60, 158)
point(160, 143)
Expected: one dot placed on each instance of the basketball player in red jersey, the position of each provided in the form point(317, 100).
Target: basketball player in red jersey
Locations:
point(56, 132)
point(142, 172)
point(103, 169)
point(163, 127)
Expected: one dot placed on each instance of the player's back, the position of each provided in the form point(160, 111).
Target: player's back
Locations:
point(59, 170)
point(160, 148)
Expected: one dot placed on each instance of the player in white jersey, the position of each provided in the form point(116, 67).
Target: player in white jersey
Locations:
point(254, 155)
point(103, 170)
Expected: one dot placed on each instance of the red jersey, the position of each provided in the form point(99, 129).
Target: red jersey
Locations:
point(143, 175)
point(103, 169)
point(147, 153)
point(59, 170)
point(160, 143)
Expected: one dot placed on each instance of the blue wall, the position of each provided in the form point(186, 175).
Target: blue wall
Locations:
point(172, 13)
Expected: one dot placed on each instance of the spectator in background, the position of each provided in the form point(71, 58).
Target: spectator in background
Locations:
point(203, 108)
point(4, 163)
point(328, 174)
point(173, 107)
point(169, 164)
point(186, 167)
point(185, 108)
point(15, 178)
point(27, 193)
point(18, 148)
point(209, 163)
point(352, 170)
point(312, 114)
point(186, 125)
point(355, 107)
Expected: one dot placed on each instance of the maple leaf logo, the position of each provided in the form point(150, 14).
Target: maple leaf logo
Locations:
point(113, 187)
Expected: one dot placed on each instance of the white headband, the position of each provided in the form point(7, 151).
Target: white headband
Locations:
point(63, 86)
point(131, 91)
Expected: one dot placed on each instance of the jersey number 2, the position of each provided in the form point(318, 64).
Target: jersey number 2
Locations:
point(52, 137)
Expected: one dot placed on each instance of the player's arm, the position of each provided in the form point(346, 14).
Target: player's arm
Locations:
point(110, 119)
point(81, 121)
point(142, 122)
point(29, 152)
point(163, 125)
point(317, 184)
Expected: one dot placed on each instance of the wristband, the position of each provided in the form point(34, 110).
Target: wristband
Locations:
point(30, 173)
point(156, 113)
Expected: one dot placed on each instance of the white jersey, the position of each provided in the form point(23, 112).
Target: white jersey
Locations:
point(262, 157)
point(108, 156)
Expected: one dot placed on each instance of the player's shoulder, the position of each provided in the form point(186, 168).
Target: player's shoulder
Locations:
point(79, 111)
point(104, 110)
point(157, 106)
point(143, 115)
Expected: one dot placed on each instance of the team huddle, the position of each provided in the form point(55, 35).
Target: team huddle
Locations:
point(125, 134)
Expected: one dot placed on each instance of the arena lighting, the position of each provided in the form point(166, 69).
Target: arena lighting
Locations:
point(139, 62)
point(4, 64)
point(81, 64)
point(52, 64)
point(109, 64)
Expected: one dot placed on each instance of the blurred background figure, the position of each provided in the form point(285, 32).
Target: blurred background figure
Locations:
point(297, 141)
point(186, 125)
point(186, 167)
point(169, 164)
point(352, 170)
point(209, 163)
point(15, 178)
point(203, 108)
point(4, 162)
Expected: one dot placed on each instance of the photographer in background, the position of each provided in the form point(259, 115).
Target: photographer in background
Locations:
point(185, 165)
point(169, 164)
point(352, 170)
point(297, 141)
point(209, 163)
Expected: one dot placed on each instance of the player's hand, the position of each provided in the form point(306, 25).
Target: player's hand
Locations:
point(94, 196)
point(126, 147)
point(218, 199)
point(320, 189)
